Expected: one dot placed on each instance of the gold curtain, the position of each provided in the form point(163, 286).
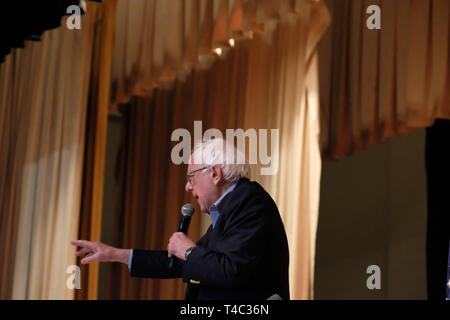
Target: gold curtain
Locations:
point(283, 93)
point(43, 99)
point(377, 84)
point(95, 149)
point(269, 82)
point(157, 42)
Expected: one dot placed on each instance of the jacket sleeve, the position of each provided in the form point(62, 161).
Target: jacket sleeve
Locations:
point(238, 253)
point(155, 264)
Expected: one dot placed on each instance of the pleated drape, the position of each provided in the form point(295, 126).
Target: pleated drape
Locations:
point(158, 42)
point(43, 99)
point(377, 84)
point(95, 149)
point(268, 82)
point(283, 94)
point(231, 64)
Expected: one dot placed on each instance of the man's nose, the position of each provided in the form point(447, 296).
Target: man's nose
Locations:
point(188, 187)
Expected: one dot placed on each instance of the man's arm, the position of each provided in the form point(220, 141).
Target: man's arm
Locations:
point(144, 263)
point(141, 263)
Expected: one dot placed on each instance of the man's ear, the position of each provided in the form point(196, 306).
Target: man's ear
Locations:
point(217, 174)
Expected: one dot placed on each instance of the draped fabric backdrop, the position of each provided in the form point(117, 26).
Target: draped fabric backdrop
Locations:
point(282, 92)
point(269, 81)
point(43, 126)
point(43, 95)
point(148, 54)
point(229, 63)
point(376, 84)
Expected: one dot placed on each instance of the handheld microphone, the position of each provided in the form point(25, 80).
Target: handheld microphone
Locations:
point(187, 210)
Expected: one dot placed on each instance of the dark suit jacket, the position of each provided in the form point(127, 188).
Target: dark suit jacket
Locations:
point(245, 256)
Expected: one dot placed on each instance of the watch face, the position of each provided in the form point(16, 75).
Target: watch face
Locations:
point(188, 251)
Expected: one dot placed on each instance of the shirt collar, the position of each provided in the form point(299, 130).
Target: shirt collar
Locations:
point(213, 211)
point(224, 194)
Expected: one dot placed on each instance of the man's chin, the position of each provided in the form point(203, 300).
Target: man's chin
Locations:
point(203, 209)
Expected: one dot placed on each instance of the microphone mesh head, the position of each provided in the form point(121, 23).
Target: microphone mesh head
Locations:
point(187, 210)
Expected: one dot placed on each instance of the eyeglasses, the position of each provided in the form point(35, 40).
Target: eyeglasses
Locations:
point(190, 174)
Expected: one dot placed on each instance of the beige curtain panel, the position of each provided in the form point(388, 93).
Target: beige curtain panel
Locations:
point(43, 98)
point(282, 93)
point(376, 84)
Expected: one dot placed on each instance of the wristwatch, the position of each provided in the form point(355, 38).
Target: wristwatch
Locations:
point(188, 250)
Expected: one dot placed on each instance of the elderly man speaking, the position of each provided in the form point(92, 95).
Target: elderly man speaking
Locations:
point(244, 253)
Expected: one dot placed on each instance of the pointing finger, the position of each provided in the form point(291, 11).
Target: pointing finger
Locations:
point(83, 243)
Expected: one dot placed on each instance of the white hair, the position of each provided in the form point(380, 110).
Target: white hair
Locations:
point(217, 151)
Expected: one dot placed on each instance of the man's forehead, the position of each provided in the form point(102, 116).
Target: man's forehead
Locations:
point(193, 166)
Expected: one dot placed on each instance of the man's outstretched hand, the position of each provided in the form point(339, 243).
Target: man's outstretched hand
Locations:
point(98, 251)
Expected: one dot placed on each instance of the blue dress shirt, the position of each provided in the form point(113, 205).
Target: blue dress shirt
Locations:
point(213, 211)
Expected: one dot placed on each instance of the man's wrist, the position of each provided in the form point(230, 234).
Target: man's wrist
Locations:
point(188, 251)
point(121, 255)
